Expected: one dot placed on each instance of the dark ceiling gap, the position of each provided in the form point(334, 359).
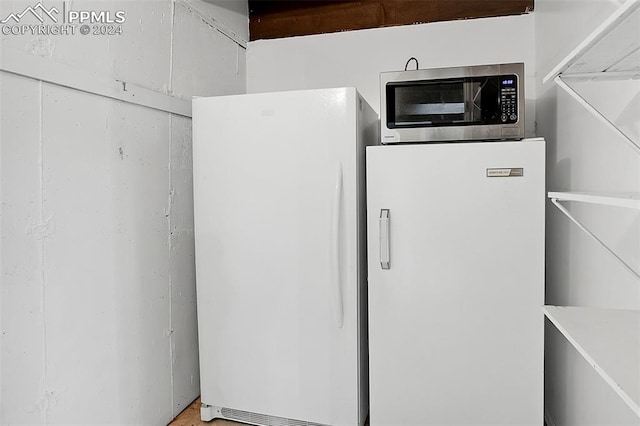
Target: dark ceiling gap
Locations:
point(277, 19)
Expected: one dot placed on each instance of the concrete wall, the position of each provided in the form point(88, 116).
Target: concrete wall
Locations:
point(356, 58)
point(583, 155)
point(97, 269)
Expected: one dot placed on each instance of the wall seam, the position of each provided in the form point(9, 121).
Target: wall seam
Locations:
point(174, 411)
point(171, 42)
point(40, 69)
point(1, 270)
point(169, 236)
point(45, 396)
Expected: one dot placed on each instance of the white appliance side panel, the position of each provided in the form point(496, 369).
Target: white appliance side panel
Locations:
point(266, 168)
point(455, 324)
point(368, 134)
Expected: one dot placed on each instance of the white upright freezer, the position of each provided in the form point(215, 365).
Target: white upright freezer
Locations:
point(456, 283)
point(280, 235)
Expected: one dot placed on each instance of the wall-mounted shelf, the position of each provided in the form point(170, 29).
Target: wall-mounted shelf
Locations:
point(611, 51)
point(627, 201)
point(609, 339)
point(631, 201)
point(594, 111)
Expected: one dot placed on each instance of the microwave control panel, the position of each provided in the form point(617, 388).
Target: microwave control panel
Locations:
point(509, 99)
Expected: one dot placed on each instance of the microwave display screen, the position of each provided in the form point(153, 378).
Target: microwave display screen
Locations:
point(462, 101)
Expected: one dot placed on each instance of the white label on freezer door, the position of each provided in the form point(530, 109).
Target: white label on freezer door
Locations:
point(505, 172)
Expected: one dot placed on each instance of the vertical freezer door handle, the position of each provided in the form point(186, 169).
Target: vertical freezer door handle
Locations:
point(335, 247)
point(384, 239)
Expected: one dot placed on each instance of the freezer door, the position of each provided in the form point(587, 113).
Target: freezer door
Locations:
point(276, 252)
point(456, 252)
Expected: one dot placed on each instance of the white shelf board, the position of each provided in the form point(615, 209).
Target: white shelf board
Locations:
point(609, 339)
point(631, 201)
point(613, 47)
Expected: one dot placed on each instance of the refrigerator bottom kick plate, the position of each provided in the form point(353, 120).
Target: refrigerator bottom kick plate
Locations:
point(210, 412)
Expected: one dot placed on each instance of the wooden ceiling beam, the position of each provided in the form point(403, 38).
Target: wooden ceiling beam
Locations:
point(276, 19)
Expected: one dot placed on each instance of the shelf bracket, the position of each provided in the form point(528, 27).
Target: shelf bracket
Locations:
point(566, 212)
point(582, 101)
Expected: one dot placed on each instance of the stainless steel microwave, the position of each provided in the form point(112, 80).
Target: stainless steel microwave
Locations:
point(483, 102)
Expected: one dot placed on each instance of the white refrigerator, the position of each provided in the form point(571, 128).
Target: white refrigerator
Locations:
point(456, 283)
point(280, 234)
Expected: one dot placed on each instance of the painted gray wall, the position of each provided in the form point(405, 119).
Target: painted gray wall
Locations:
point(98, 286)
point(356, 58)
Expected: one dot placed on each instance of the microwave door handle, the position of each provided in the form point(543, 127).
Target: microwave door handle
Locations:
point(468, 101)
